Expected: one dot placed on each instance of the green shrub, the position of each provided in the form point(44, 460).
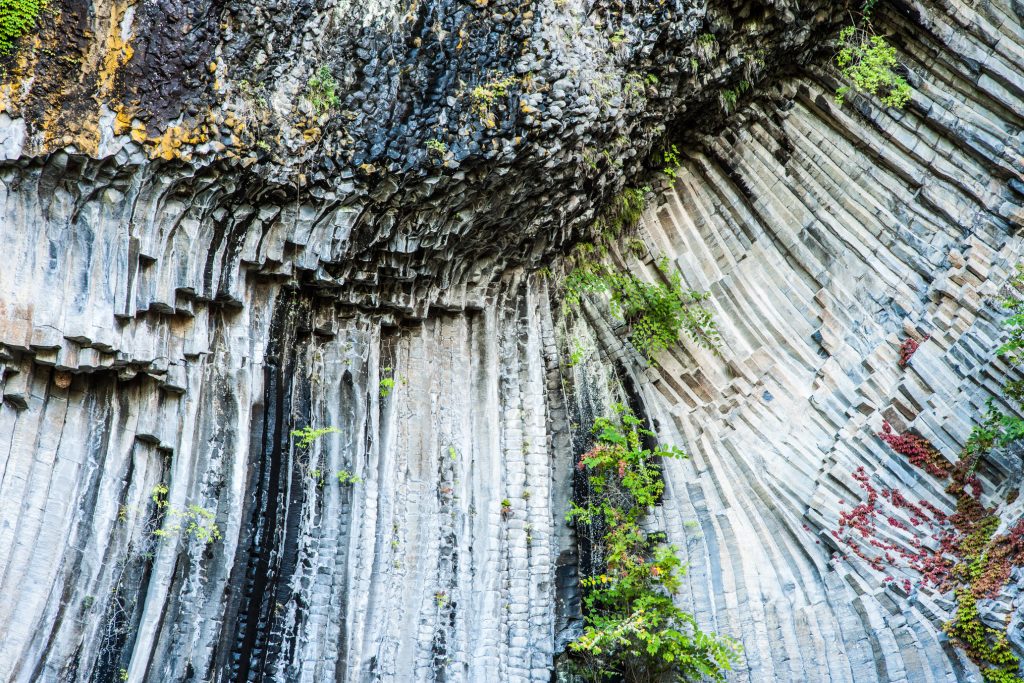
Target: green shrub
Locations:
point(671, 162)
point(983, 643)
point(322, 90)
point(17, 18)
point(655, 312)
point(632, 628)
point(868, 63)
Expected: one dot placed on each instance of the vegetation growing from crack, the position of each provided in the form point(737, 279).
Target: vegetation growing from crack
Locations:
point(346, 477)
point(305, 438)
point(485, 95)
point(960, 551)
point(868, 63)
point(195, 520)
point(387, 383)
point(437, 147)
point(632, 628)
point(656, 312)
point(322, 90)
point(17, 19)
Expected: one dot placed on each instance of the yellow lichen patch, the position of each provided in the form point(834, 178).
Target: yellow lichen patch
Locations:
point(17, 79)
point(122, 120)
point(76, 79)
point(116, 50)
point(168, 145)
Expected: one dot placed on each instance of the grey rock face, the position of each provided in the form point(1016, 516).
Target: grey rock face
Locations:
point(169, 322)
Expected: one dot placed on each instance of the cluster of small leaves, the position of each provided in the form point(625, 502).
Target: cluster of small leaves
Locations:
point(387, 383)
point(655, 312)
point(307, 435)
point(671, 160)
point(633, 630)
point(999, 429)
point(620, 216)
point(483, 97)
point(983, 643)
point(1013, 349)
point(17, 18)
point(908, 347)
point(195, 520)
point(322, 90)
point(346, 477)
point(437, 147)
point(869, 64)
point(918, 450)
point(731, 96)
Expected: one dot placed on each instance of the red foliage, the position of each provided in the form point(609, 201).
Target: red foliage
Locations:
point(944, 550)
point(920, 453)
point(592, 453)
point(908, 347)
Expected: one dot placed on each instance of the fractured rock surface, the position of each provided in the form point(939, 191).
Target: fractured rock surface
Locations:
point(170, 321)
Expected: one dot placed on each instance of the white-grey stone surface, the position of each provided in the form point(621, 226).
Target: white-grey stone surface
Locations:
point(139, 346)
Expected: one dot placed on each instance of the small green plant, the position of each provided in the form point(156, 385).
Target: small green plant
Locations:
point(729, 100)
point(730, 97)
point(506, 508)
point(617, 38)
point(318, 477)
point(87, 603)
point(671, 162)
point(655, 312)
point(441, 598)
point(578, 353)
point(526, 494)
point(123, 674)
point(868, 63)
point(17, 19)
point(632, 628)
point(1013, 349)
point(483, 97)
point(159, 495)
point(307, 435)
point(322, 90)
point(346, 478)
point(437, 147)
point(194, 520)
point(387, 383)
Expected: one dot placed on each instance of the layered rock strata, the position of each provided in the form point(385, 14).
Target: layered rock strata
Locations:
point(170, 321)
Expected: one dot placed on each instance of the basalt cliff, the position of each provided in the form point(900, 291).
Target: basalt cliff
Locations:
point(222, 222)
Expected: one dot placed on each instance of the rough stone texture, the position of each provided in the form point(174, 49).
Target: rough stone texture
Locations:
point(172, 319)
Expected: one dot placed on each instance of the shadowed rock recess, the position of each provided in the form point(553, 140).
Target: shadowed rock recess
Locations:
point(224, 221)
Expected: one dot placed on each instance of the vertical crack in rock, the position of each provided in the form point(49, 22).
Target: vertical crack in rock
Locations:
point(275, 499)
